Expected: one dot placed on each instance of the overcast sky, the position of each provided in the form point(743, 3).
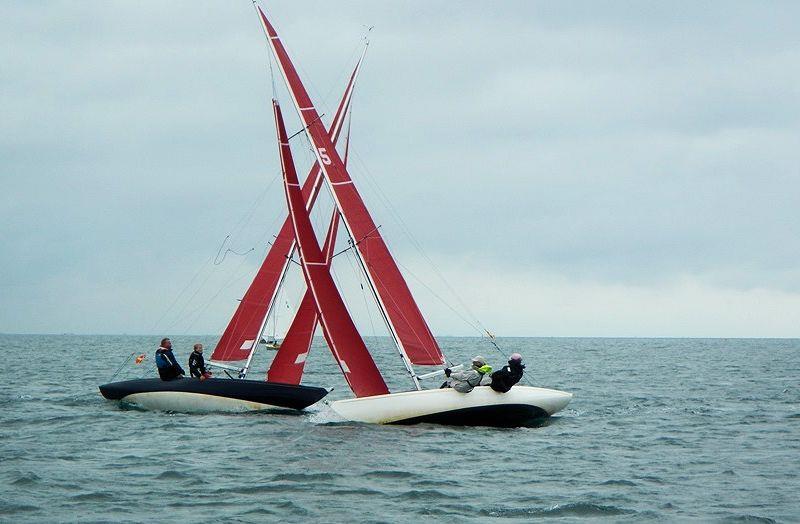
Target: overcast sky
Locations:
point(568, 169)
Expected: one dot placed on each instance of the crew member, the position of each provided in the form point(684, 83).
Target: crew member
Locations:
point(168, 367)
point(197, 365)
point(465, 381)
point(504, 378)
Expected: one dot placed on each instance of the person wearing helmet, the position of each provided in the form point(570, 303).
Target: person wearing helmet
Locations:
point(465, 381)
point(505, 378)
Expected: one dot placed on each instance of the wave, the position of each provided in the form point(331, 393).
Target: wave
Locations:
point(620, 482)
point(26, 479)
point(750, 518)
point(389, 474)
point(304, 477)
point(576, 509)
point(423, 494)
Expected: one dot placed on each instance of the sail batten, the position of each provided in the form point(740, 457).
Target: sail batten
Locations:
point(404, 319)
point(250, 317)
point(340, 332)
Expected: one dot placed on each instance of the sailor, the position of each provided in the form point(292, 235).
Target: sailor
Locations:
point(197, 365)
point(168, 367)
point(465, 381)
point(504, 378)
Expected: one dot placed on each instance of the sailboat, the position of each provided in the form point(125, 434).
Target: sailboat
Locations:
point(373, 402)
point(246, 330)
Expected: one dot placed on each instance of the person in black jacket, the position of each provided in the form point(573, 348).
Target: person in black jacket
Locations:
point(503, 379)
point(197, 365)
point(168, 367)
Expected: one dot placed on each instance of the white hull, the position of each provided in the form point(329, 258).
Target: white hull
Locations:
point(183, 402)
point(482, 406)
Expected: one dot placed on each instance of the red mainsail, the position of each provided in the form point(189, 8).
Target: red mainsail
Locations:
point(289, 362)
point(340, 332)
point(402, 314)
point(247, 322)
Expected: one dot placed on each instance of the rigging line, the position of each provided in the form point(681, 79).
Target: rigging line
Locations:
point(402, 314)
point(308, 83)
point(179, 295)
point(248, 215)
point(319, 117)
point(202, 309)
point(406, 230)
point(354, 244)
point(377, 280)
point(442, 300)
point(179, 317)
point(121, 366)
point(484, 333)
point(269, 53)
point(353, 266)
point(345, 70)
point(339, 287)
point(240, 224)
point(229, 250)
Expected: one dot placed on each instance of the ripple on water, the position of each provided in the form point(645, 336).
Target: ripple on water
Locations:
point(305, 477)
point(750, 518)
point(172, 474)
point(618, 482)
point(389, 474)
point(94, 496)
point(27, 478)
point(423, 494)
point(7, 508)
point(576, 509)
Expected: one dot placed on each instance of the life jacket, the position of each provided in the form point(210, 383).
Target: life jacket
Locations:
point(162, 362)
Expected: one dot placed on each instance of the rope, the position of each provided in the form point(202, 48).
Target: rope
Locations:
point(406, 230)
point(218, 260)
point(122, 366)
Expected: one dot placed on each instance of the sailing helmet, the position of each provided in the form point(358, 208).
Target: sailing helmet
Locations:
point(478, 361)
point(515, 357)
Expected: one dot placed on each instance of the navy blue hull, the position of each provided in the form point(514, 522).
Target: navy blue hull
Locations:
point(499, 416)
point(279, 395)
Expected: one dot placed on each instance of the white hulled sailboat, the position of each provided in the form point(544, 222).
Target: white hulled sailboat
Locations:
point(407, 327)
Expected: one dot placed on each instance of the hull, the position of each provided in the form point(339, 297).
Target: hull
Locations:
point(522, 406)
point(189, 395)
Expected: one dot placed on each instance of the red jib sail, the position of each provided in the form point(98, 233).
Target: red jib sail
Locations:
point(403, 316)
point(340, 332)
point(247, 322)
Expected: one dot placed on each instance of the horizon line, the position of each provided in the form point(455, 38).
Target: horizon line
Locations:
point(696, 337)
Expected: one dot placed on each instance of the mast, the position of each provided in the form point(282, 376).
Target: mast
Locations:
point(343, 339)
point(404, 319)
point(241, 336)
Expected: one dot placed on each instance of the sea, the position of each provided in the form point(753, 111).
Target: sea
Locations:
point(659, 430)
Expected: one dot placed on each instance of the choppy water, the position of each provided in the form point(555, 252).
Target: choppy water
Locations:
point(660, 429)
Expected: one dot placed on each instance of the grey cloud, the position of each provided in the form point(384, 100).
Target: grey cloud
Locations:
point(620, 143)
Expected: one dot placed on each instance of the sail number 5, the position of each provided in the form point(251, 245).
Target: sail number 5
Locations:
point(323, 155)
